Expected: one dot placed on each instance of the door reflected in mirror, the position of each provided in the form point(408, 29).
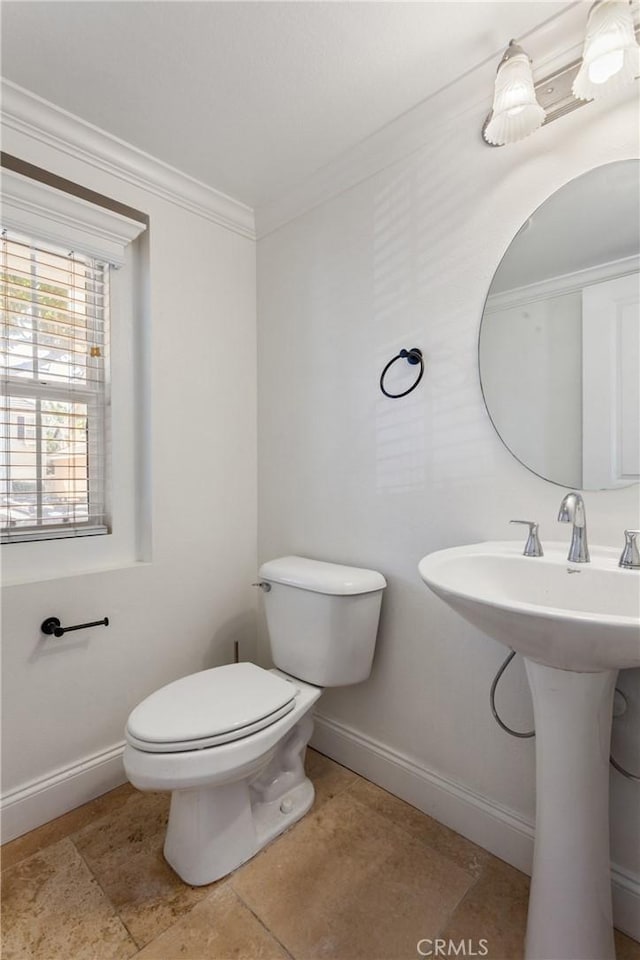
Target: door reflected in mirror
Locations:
point(559, 347)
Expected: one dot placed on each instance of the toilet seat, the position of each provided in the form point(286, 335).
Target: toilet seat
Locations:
point(211, 707)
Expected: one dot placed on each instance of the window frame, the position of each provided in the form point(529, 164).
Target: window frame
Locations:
point(49, 216)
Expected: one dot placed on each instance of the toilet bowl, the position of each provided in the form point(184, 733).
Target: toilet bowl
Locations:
point(229, 743)
point(229, 798)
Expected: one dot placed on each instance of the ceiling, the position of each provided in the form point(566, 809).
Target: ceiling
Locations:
point(250, 97)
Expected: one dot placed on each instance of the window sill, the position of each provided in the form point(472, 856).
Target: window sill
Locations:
point(72, 574)
point(53, 533)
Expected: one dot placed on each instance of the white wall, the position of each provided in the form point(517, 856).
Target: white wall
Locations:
point(66, 701)
point(402, 259)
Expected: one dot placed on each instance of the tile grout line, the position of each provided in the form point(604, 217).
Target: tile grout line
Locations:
point(140, 947)
point(464, 896)
point(407, 832)
point(38, 850)
point(260, 921)
point(67, 835)
point(474, 879)
point(410, 833)
point(27, 856)
point(107, 897)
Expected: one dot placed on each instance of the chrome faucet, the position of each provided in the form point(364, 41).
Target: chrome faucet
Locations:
point(572, 511)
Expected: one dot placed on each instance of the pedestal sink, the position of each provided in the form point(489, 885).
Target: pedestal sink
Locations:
point(576, 625)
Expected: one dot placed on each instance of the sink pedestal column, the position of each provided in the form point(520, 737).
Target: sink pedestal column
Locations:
point(570, 902)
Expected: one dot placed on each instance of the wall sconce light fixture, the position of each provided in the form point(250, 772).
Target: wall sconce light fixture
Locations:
point(516, 113)
point(611, 58)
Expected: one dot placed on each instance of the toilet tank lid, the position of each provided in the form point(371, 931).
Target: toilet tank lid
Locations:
point(322, 577)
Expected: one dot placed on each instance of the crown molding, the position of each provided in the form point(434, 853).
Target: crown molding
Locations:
point(31, 115)
point(464, 102)
point(574, 282)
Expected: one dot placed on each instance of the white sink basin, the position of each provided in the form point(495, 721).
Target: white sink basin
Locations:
point(574, 616)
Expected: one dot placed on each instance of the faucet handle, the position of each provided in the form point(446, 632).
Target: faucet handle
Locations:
point(533, 547)
point(630, 558)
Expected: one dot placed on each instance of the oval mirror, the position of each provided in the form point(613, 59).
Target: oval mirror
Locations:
point(559, 347)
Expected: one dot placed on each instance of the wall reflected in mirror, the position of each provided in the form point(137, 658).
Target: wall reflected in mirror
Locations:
point(559, 347)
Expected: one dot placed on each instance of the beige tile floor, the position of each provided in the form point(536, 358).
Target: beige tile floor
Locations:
point(363, 875)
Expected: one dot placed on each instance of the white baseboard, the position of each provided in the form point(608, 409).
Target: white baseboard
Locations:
point(625, 893)
point(49, 797)
point(496, 828)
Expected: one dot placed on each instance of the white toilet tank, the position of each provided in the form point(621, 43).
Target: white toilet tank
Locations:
point(322, 619)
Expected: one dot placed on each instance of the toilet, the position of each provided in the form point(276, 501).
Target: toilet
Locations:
point(229, 743)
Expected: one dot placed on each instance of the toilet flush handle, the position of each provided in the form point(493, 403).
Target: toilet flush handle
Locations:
point(263, 586)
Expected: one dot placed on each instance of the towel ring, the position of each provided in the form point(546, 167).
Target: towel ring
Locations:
point(413, 357)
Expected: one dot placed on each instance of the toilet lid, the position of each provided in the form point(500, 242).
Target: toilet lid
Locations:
point(213, 706)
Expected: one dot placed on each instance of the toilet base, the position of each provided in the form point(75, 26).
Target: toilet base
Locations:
point(213, 830)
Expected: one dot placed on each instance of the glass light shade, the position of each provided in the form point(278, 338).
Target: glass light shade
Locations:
point(516, 112)
point(611, 55)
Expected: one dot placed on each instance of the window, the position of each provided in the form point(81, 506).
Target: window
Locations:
point(54, 349)
point(60, 260)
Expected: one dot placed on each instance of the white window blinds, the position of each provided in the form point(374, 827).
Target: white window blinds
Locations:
point(54, 350)
point(57, 251)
